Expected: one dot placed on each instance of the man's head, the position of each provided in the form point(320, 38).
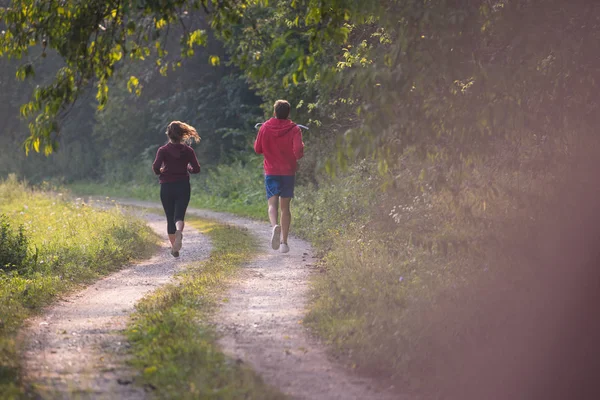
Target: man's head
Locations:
point(281, 109)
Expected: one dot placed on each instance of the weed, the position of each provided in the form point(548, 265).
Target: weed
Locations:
point(13, 247)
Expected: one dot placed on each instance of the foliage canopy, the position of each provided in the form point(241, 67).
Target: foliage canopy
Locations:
point(447, 76)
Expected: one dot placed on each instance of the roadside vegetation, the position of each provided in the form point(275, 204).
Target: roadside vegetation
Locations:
point(395, 250)
point(443, 138)
point(234, 188)
point(173, 341)
point(49, 244)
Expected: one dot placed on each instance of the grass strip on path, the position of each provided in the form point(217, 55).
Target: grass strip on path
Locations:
point(173, 340)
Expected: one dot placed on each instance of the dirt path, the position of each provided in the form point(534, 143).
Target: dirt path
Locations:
point(76, 349)
point(260, 322)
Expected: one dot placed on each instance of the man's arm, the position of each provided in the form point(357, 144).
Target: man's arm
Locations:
point(258, 142)
point(297, 144)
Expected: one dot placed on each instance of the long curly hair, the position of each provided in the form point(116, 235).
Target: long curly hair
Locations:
point(180, 132)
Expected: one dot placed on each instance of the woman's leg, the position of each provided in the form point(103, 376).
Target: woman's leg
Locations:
point(181, 203)
point(168, 201)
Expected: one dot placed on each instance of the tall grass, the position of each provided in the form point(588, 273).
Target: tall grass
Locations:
point(69, 243)
point(236, 188)
point(397, 249)
point(438, 242)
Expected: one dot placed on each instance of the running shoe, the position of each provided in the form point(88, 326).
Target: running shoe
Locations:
point(284, 248)
point(178, 241)
point(276, 237)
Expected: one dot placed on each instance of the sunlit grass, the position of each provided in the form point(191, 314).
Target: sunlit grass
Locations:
point(172, 339)
point(69, 243)
point(253, 208)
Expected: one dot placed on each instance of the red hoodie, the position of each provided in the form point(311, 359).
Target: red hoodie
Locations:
point(177, 160)
point(280, 141)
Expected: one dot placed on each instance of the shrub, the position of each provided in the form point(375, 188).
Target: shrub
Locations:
point(13, 246)
point(337, 204)
point(239, 182)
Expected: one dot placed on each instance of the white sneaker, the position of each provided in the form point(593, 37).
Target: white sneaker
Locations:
point(178, 241)
point(284, 248)
point(276, 237)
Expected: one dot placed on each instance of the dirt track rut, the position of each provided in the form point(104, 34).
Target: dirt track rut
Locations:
point(261, 322)
point(76, 349)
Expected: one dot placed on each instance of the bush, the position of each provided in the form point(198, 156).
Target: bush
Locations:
point(337, 205)
point(239, 182)
point(419, 275)
point(13, 246)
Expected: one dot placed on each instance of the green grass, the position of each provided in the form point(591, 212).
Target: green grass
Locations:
point(69, 243)
point(369, 303)
point(236, 188)
point(173, 342)
point(406, 272)
point(252, 208)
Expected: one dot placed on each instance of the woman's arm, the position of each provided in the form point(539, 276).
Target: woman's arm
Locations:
point(158, 162)
point(194, 165)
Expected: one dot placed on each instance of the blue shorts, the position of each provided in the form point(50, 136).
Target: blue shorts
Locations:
point(280, 185)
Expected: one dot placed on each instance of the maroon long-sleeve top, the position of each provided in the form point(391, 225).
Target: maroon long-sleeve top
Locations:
point(175, 162)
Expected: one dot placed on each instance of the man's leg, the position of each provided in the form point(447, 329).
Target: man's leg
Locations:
point(286, 218)
point(273, 209)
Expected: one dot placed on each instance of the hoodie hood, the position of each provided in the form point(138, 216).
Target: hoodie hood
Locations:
point(175, 149)
point(279, 127)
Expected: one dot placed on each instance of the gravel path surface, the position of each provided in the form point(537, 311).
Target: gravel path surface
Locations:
point(76, 350)
point(261, 321)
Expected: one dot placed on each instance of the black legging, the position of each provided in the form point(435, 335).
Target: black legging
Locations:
point(175, 197)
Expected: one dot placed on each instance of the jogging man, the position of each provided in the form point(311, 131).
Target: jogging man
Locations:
point(280, 142)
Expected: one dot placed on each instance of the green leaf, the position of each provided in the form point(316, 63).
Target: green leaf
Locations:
point(133, 84)
point(197, 38)
point(36, 145)
point(160, 23)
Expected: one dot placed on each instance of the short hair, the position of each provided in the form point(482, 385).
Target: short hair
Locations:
point(282, 109)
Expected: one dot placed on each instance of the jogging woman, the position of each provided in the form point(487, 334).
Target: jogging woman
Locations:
point(174, 163)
